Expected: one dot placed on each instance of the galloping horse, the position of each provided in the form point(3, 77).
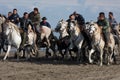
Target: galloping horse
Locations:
point(76, 38)
point(64, 40)
point(2, 20)
point(46, 39)
point(30, 45)
point(13, 37)
point(98, 43)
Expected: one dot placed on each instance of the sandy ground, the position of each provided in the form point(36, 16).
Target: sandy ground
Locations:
point(41, 69)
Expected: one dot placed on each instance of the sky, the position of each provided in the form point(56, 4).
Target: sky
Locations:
point(55, 10)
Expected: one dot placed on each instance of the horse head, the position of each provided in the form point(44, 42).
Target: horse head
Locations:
point(62, 25)
point(6, 27)
point(74, 27)
point(92, 28)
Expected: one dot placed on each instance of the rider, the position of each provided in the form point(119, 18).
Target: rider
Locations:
point(14, 17)
point(9, 14)
point(34, 16)
point(104, 24)
point(81, 22)
point(24, 22)
point(113, 23)
point(79, 18)
point(45, 23)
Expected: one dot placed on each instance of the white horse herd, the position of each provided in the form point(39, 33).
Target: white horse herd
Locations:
point(76, 39)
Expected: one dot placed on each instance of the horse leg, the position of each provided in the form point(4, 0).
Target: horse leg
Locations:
point(54, 51)
point(66, 53)
point(48, 43)
point(111, 54)
point(61, 53)
point(114, 57)
point(101, 57)
point(47, 52)
point(17, 54)
point(90, 54)
point(71, 54)
point(7, 53)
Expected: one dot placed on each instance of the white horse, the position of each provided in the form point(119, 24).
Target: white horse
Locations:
point(76, 38)
point(2, 20)
point(13, 37)
point(46, 39)
point(98, 43)
point(30, 45)
point(64, 41)
point(62, 28)
point(45, 33)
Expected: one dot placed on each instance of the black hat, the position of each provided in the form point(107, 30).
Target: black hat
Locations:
point(25, 13)
point(44, 18)
point(111, 13)
point(36, 9)
point(101, 13)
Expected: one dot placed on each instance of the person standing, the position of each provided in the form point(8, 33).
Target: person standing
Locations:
point(34, 16)
point(14, 17)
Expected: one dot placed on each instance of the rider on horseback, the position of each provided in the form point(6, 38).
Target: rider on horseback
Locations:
point(79, 18)
point(81, 21)
point(113, 24)
point(34, 16)
point(44, 22)
point(24, 23)
point(104, 24)
point(14, 17)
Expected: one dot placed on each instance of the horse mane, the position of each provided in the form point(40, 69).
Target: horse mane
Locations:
point(15, 26)
point(99, 29)
point(77, 26)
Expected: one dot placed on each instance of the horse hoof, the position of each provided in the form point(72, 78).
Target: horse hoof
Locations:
point(108, 64)
point(91, 61)
point(100, 64)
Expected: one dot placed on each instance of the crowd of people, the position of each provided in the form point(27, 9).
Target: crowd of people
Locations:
point(34, 19)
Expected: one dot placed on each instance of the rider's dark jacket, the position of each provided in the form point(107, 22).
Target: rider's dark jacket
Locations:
point(104, 24)
point(13, 18)
point(45, 24)
point(24, 24)
point(80, 19)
